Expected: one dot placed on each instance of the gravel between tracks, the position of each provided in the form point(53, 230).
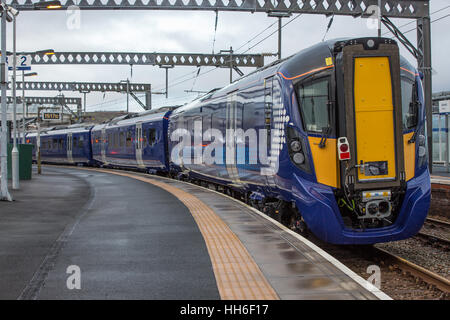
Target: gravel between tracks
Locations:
point(394, 282)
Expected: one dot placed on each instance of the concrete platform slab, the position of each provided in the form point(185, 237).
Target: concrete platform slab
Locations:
point(136, 236)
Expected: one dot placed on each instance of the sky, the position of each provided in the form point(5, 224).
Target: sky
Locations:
point(191, 31)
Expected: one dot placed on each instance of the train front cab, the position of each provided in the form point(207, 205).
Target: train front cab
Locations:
point(368, 111)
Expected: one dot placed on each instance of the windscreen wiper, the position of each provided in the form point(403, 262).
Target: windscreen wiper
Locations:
point(323, 141)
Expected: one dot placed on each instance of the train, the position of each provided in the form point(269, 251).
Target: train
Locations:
point(330, 140)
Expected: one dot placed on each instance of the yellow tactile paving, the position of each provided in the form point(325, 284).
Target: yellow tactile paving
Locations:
point(237, 275)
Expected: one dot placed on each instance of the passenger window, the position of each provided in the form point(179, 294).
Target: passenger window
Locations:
point(144, 140)
point(152, 137)
point(122, 139)
point(313, 98)
point(129, 142)
point(409, 104)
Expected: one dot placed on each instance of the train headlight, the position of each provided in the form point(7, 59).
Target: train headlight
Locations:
point(421, 140)
point(298, 158)
point(298, 151)
point(296, 146)
point(422, 151)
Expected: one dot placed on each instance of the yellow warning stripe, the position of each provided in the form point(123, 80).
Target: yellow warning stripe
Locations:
point(237, 275)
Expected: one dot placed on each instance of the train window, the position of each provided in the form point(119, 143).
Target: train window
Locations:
point(144, 140)
point(129, 139)
point(61, 144)
point(313, 98)
point(80, 142)
point(55, 143)
point(151, 137)
point(121, 139)
point(409, 104)
point(75, 142)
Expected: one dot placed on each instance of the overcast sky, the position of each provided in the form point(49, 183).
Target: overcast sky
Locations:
point(190, 31)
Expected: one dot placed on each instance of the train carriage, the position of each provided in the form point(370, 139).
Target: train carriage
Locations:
point(133, 141)
point(70, 145)
point(343, 135)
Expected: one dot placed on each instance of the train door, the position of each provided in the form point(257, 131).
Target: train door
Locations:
point(230, 156)
point(103, 145)
point(138, 145)
point(69, 147)
point(373, 115)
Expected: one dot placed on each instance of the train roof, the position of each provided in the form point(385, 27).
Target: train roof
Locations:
point(75, 128)
point(298, 63)
point(130, 119)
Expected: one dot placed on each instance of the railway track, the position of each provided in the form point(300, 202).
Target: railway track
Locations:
point(415, 270)
point(438, 222)
point(432, 238)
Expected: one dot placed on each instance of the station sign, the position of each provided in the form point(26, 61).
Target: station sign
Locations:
point(444, 106)
point(48, 116)
point(23, 63)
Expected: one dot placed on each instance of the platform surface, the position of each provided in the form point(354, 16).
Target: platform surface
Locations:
point(137, 236)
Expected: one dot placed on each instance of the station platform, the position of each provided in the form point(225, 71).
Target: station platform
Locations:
point(138, 236)
point(440, 179)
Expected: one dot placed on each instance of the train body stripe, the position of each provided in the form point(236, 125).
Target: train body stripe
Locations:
point(306, 73)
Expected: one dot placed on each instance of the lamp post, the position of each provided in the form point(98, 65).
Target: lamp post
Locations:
point(15, 150)
point(3, 78)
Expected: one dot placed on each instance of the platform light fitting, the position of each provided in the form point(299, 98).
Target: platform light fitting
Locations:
point(13, 11)
point(47, 5)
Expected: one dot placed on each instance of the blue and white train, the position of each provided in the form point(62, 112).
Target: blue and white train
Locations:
point(342, 128)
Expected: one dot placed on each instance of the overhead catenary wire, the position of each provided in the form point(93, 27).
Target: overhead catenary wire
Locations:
point(411, 22)
point(215, 68)
point(436, 20)
point(240, 47)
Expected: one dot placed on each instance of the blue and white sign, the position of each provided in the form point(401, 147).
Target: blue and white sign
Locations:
point(444, 106)
point(23, 62)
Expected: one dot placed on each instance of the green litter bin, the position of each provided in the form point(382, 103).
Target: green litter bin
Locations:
point(25, 161)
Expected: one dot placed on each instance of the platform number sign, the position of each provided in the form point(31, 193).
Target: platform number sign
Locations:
point(23, 62)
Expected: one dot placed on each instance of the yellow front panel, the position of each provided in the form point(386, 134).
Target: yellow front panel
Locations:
point(410, 156)
point(374, 114)
point(325, 161)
